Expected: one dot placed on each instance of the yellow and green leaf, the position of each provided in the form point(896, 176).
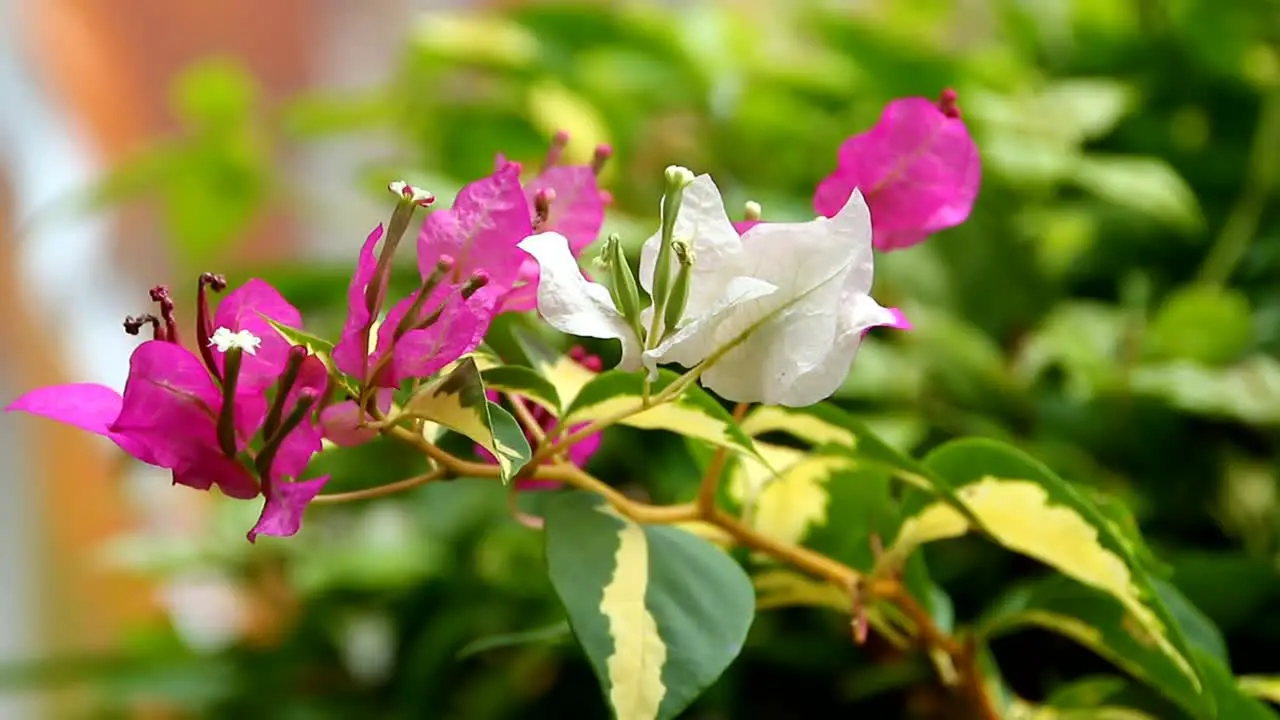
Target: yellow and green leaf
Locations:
point(1101, 623)
point(523, 381)
point(659, 612)
point(823, 499)
point(456, 400)
point(694, 414)
point(1026, 508)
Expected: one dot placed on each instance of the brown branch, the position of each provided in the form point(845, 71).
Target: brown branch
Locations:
point(890, 590)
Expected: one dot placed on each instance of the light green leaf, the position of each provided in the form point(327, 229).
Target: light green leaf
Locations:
point(1026, 508)
point(1248, 391)
point(457, 401)
point(1264, 687)
point(554, 108)
point(1202, 323)
point(524, 382)
point(317, 346)
point(1097, 693)
point(1101, 623)
point(694, 414)
point(482, 39)
point(1145, 184)
point(1084, 340)
point(550, 633)
point(659, 612)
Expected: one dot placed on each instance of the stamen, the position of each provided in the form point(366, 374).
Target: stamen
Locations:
point(133, 325)
point(160, 294)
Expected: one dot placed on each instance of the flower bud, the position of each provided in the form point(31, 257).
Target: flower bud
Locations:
point(622, 283)
point(677, 179)
point(679, 296)
point(411, 198)
point(478, 279)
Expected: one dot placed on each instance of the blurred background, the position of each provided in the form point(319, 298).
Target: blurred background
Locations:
point(1112, 306)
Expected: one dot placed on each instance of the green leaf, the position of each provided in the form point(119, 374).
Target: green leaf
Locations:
point(550, 633)
point(1083, 339)
point(1248, 391)
point(214, 92)
point(524, 382)
point(1024, 507)
point(1233, 701)
point(1146, 184)
point(659, 612)
point(1200, 630)
point(313, 344)
point(457, 401)
point(694, 414)
point(1202, 323)
point(1098, 621)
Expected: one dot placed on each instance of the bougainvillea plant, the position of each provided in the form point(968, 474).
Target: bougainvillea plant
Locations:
point(764, 316)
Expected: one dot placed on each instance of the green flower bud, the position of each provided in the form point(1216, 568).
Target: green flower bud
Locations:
point(622, 283)
point(677, 179)
point(679, 296)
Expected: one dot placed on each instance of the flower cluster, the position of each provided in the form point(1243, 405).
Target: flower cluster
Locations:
point(765, 312)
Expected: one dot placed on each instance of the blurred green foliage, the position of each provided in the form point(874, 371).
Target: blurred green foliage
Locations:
point(1112, 307)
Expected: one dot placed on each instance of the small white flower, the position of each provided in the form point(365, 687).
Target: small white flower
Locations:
point(223, 339)
point(412, 193)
